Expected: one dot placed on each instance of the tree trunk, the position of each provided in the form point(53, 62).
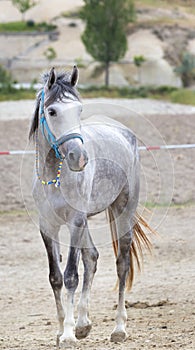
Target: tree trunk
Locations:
point(23, 16)
point(107, 67)
point(186, 79)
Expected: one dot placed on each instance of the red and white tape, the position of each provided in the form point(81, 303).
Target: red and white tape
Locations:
point(155, 148)
point(141, 148)
point(12, 153)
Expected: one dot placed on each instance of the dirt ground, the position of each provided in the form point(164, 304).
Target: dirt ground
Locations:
point(161, 305)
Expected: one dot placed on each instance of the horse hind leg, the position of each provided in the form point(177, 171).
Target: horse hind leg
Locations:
point(55, 278)
point(123, 266)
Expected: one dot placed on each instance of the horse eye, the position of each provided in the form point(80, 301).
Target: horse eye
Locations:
point(52, 112)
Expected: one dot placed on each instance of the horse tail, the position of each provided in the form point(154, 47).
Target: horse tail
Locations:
point(139, 243)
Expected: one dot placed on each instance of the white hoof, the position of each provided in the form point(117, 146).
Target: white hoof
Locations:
point(67, 342)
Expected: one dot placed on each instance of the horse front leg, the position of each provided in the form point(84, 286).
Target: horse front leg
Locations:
point(89, 257)
point(71, 280)
point(80, 242)
point(76, 226)
point(55, 276)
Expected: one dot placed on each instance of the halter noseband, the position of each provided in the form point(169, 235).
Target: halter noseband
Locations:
point(54, 143)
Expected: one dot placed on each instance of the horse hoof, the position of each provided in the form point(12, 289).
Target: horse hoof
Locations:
point(118, 337)
point(82, 332)
point(67, 343)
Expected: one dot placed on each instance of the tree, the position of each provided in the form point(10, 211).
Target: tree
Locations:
point(105, 33)
point(187, 69)
point(138, 61)
point(50, 54)
point(5, 79)
point(23, 6)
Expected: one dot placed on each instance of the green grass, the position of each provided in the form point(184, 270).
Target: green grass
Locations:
point(28, 26)
point(152, 205)
point(147, 205)
point(15, 95)
point(164, 3)
point(183, 96)
point(181, 5)
point(152, 3)
point(113, 92)
point(166, 93)
point(163, 92)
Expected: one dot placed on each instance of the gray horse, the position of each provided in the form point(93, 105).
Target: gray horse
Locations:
point(82, 171)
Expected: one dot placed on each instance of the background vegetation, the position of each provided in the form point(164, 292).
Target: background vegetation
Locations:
point(28, 26)
point(23, 6)
point(105, 34)
point(185, 68)
point(8, 91)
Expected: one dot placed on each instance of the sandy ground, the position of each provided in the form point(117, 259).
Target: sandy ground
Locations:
point(161, 304)
point(23, 109)
point(162, 317)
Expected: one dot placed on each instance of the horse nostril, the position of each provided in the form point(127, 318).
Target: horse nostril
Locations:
point(71, 156)
point(77, 159)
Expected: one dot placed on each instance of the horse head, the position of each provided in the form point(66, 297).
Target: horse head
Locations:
point(59, 115)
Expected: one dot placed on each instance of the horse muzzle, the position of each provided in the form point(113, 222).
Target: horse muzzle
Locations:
point(75, 155)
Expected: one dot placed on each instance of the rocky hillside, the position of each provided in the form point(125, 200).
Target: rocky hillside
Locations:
point(161, 33)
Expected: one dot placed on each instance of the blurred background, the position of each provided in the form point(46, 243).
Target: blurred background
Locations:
point(136, 60)
point(159, 49)
point(125, 49)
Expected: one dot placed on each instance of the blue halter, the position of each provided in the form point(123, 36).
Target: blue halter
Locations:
point(54, 143)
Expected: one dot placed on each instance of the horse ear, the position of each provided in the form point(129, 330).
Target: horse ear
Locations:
point(52, 78)
point(74, 76)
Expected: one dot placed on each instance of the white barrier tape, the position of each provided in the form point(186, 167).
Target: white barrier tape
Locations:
point(21, 152)
point(141, 148)
point(154, 148)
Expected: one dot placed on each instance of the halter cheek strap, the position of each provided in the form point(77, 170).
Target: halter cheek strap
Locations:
point(54, 143)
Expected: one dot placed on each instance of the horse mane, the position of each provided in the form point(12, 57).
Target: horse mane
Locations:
point(139, 243)
point(60, 89)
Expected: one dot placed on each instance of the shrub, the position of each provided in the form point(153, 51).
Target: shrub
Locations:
point(5, 79)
